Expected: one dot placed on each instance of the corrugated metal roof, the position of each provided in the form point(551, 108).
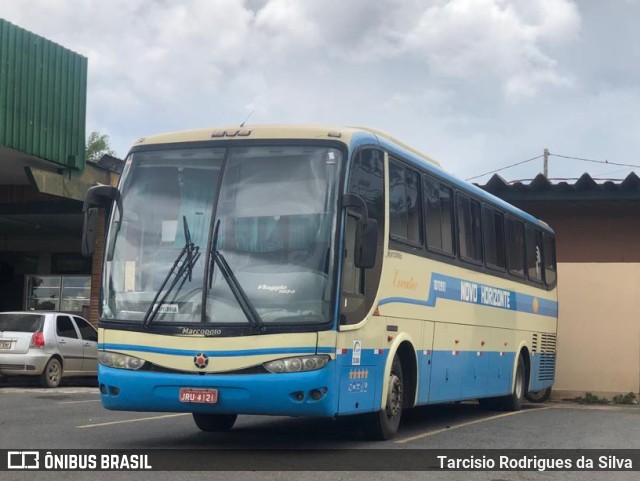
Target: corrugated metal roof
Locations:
point(585, 188)
point(43, 90)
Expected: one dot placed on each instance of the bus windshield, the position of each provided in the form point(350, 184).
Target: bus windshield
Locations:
point(274, 224)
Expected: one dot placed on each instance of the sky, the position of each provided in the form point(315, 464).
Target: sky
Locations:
point(476, 84)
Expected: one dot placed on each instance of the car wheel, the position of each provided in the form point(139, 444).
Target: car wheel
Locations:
point(52, 373)
point(213, 423)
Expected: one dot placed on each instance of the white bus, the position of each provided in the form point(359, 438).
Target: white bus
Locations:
point(313, 271)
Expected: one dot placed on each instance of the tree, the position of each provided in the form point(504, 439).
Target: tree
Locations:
point(97, 146)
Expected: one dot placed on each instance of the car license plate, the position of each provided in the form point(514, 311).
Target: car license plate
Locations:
point(204, 396)
point(5, 344)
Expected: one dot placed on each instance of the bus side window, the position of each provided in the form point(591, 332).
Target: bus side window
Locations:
point(549, 256)
point(515, 247)
point(439, 216)
point(469, 228)
point(533, 241)
point(405, 205)
point(397, 201)
point(493, 232)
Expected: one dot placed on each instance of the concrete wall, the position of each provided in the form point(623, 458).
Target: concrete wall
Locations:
point(598, 329)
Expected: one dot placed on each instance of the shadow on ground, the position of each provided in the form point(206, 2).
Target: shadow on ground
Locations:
point(32, 381)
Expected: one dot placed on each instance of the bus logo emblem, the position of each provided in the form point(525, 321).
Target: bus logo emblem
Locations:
point(201, 360)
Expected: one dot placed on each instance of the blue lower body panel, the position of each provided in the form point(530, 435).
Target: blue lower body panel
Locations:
point(268, 394)
point(361, 384)
point(463, 375)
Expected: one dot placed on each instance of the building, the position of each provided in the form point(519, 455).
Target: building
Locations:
point(597, 226)
point(43, 174)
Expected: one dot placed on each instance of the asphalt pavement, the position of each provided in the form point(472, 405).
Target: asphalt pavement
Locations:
point(72, 417)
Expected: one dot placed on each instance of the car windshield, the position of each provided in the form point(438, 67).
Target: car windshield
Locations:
point(275, 221)
point(19, 322)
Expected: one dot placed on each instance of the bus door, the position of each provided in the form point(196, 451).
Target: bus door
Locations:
point(360, 357)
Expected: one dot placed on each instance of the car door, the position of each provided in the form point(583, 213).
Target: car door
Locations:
point(89, 345)
point(69, 343)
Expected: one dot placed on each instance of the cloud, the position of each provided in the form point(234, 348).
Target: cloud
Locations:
point(456, 78)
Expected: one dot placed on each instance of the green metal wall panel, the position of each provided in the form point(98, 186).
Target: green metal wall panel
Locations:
point(43, 97)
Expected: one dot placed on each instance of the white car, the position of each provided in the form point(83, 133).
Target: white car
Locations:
point(50, 345)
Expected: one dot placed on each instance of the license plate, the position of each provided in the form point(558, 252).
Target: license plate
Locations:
point(204, 396)
point(5, 344)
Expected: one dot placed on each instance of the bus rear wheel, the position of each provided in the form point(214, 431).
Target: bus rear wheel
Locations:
point(214, 423)
point(512, 402)
point(383, 424)
point(539, 396)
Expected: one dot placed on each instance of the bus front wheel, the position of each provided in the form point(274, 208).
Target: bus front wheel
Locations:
point(213, 423)
point(383, 425)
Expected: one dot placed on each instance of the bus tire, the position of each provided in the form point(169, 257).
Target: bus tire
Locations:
point(514, 401)
point(214, 423)
point(52, 374)
point(383, 425)
point(539, 396)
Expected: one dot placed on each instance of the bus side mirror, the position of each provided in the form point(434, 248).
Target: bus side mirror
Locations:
point(89, 228)
point(366, 244)
point(98, 196)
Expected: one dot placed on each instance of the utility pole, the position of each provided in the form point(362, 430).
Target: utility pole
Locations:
point(546, 163)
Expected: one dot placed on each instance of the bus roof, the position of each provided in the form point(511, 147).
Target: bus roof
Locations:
point(345, 135)
point(248, 132)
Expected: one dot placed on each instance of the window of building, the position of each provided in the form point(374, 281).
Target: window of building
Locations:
point(515, 247)
point(439, 216)
point(469, 228)
point(57, 293)
point(493, 233)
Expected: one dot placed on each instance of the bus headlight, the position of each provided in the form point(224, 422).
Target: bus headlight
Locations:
point(297, 364)
point(120, 361)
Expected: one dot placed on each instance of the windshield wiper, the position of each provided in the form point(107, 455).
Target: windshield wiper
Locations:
point(236, 289)
point(187, 258)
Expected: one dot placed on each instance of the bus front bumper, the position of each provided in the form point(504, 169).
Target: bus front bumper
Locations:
point(289, 394)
